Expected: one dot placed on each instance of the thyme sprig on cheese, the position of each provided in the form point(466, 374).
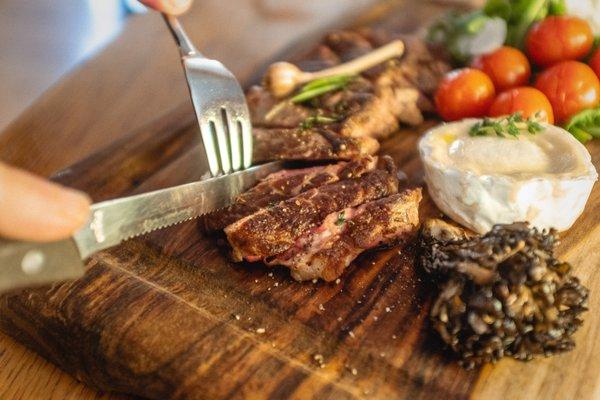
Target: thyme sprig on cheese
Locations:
point(512, 125)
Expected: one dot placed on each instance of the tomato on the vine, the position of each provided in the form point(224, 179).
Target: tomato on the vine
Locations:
point(507, 67)
point(559, 38)
point(571, 86)
point(528, 101)
point(464, 93)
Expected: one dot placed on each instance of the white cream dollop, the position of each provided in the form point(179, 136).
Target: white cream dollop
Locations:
point(480, 181)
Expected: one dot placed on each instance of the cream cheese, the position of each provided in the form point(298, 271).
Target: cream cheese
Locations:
point(545, 178)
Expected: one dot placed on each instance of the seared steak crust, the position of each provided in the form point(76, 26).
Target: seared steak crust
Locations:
point(282, 185)
point(273, 230)
point(309, 144)
point(373, 105)
point(327, 250)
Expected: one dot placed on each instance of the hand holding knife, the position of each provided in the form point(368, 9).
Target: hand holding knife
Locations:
point(224, 121)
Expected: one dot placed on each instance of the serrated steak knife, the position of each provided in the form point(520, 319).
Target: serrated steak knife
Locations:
point(112, 222)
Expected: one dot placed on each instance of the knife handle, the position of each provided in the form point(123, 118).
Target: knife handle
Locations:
point(24, 264)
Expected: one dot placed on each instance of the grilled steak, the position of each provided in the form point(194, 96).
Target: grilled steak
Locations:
point(273, 230)
point(309, 144)
point(282, 185)
point(373, 105)
point(325, 251)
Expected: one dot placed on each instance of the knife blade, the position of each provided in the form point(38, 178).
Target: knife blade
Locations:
point(114, 221)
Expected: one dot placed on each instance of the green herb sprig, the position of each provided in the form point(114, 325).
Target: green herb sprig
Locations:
point(315, 120)
point(585, 125)
point(341, 218)
point(321, 86)
point(513, 125)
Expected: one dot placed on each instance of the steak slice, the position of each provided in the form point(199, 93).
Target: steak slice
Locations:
point(326, 251)
point(273, 230)
point(282, 185)
point(309, 144)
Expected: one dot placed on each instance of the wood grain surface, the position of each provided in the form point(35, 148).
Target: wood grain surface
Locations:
point(166, 316)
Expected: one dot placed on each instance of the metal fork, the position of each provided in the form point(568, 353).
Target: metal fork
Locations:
point(220, 106)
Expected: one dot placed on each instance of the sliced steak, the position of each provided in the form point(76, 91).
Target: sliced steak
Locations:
point(309, 144)
point(273, 230)
point(282, 185)
point(327, 250)
point(267, 111)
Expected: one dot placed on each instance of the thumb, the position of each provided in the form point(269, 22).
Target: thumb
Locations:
point(32, 208)
point(173, 7)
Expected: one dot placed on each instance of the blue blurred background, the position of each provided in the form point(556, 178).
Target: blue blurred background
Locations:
point(57, 33)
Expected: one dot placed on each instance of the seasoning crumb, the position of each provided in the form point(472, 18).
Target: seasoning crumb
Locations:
point(260, 330)
point(276, 284)
point(237, 317)
point(339, 319)
point(382, 354)
point(394, 337)
point(320, 360)
point(270, 274)
point(315, 280)
point(337, 281)
point(354, 371)
point(256, 281)
point(351, 334)
point(387, 309)
point(321, 307)
point(375, 318)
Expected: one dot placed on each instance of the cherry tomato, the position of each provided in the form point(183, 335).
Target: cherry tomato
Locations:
point(464, 93)
point(571, 86)
point(595, 63)
point(559, 38)
point(526, 100)
point(507, 67)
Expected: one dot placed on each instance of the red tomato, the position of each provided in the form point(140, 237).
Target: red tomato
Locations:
point(559, 38)
point(595, 62)
point(464, 93)
point(507, 67)
point(526, 100)
point(571, 87)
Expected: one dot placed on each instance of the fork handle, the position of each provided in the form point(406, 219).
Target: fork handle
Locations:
point(186, 46)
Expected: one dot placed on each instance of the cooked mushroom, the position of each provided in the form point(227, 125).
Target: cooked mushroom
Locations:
point(282, 77)
point(503, 293)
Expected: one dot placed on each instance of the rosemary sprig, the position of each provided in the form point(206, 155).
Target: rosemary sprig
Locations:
point(513, 125)
point(321, 86)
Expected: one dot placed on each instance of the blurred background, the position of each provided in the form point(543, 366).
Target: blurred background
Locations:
point(41, 40)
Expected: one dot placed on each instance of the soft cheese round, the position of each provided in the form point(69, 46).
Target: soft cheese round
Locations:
point(545, 178)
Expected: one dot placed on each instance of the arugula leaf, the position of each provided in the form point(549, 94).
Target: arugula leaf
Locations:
point(585, 125)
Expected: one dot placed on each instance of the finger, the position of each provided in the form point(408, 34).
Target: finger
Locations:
point(173, 7)
point(32, 208)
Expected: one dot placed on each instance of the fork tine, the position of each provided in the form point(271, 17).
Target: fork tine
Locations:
point(246, 128)
point(209, 147)
point(234, 141)
point(222, 144)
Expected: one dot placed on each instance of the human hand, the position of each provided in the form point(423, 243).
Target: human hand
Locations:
point(173, 7)
point(32, 208)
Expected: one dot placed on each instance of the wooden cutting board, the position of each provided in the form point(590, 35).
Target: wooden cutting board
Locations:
point(167, 316)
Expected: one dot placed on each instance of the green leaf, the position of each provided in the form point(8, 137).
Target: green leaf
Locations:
point(557, 7)
point(585, 125)
point(512, 125)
